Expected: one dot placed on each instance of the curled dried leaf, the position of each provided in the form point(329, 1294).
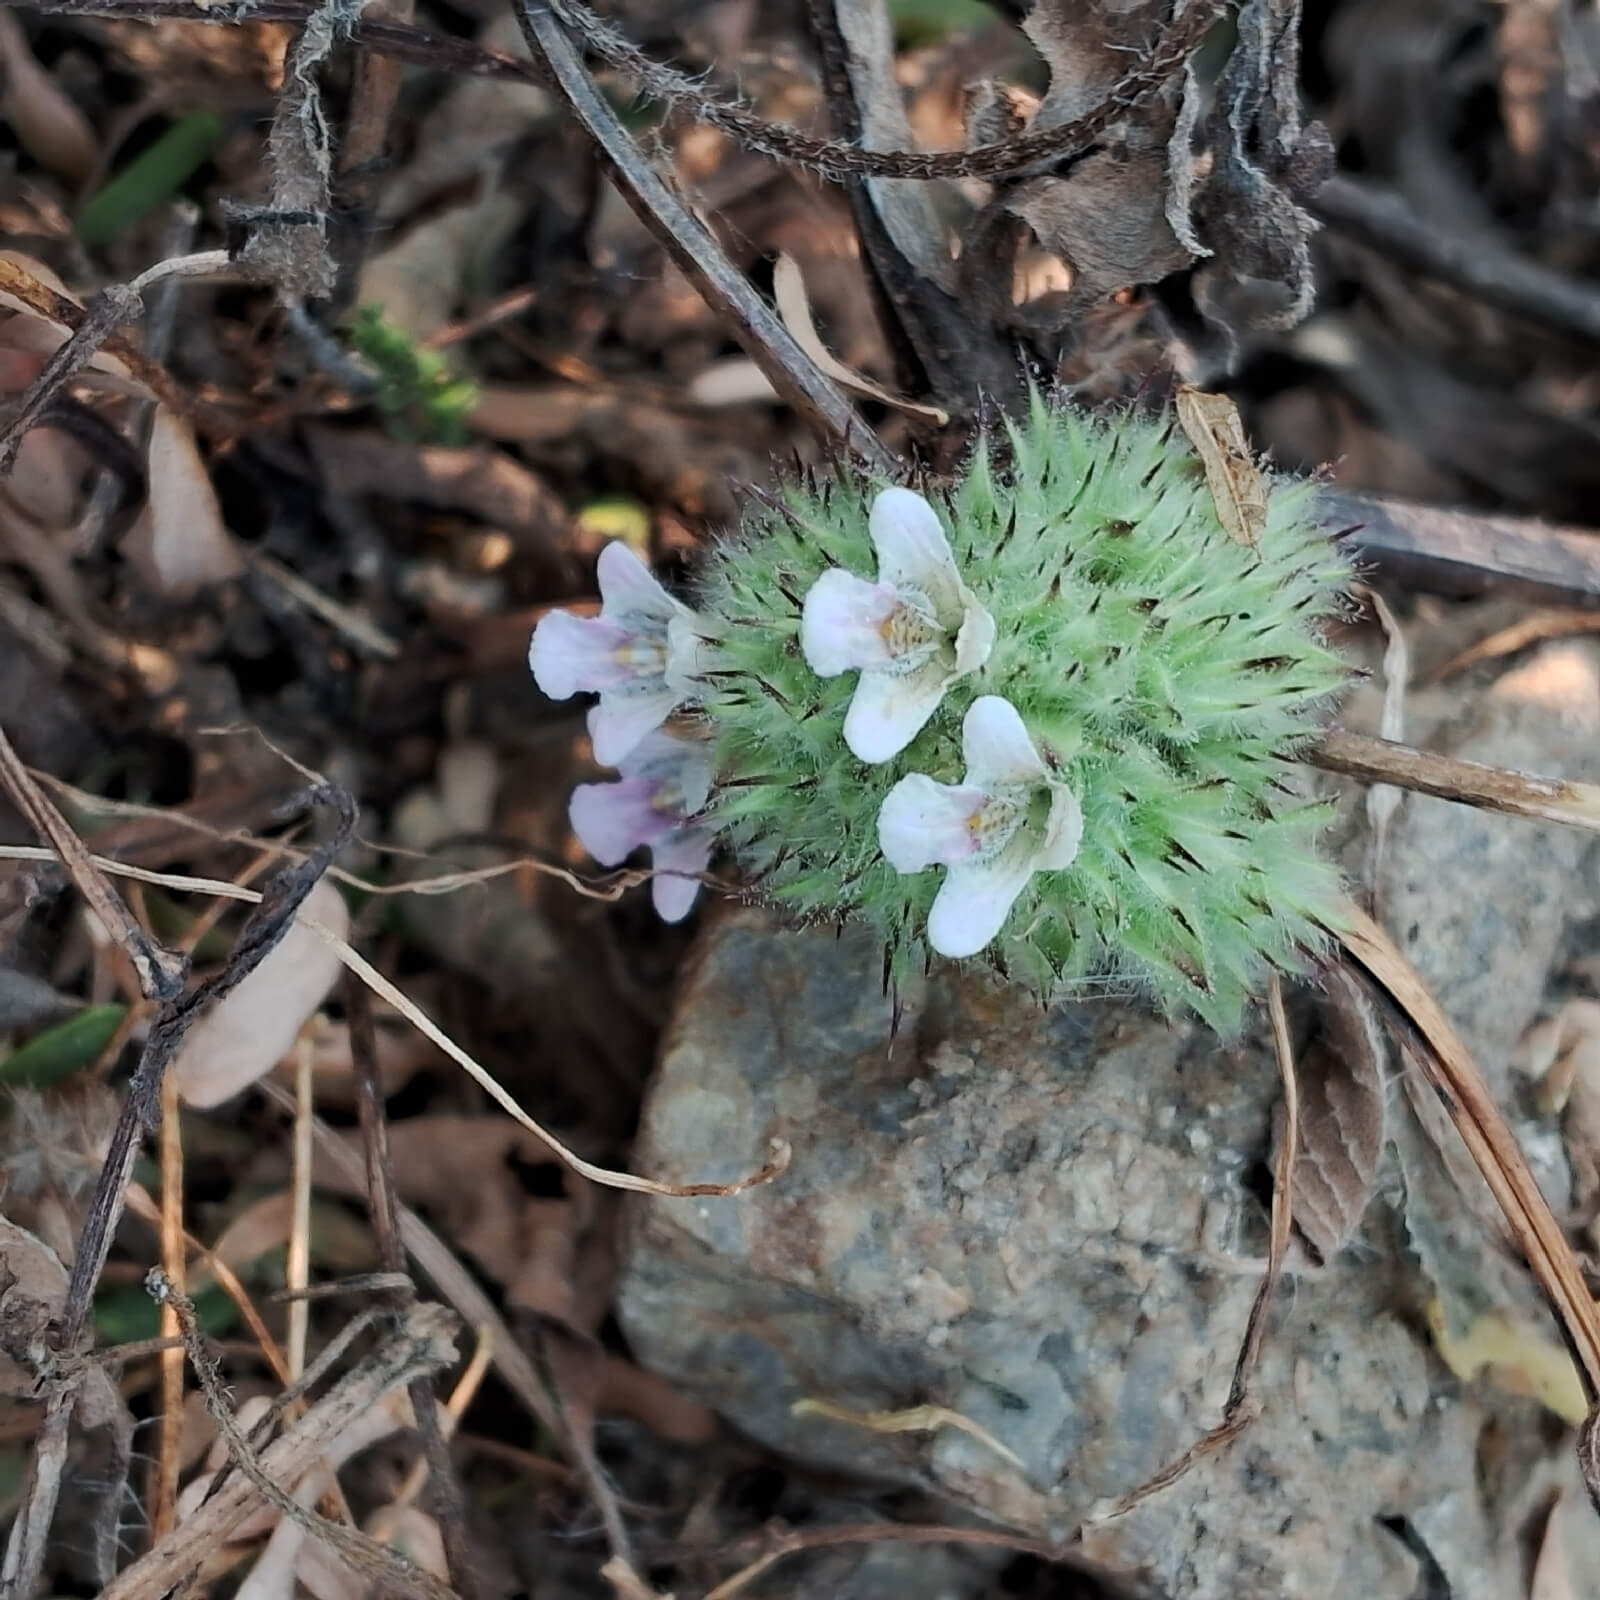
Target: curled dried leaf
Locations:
point(46, 122)
point(1215, 429)
point(789, 293)
point(1343, 1126)
point(180, 541)
point(246, 1034)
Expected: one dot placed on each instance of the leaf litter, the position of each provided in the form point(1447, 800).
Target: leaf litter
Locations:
point(380, 654)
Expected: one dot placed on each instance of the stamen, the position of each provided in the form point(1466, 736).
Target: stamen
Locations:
point(909, 630)
point(642, 656)
point(994, 824)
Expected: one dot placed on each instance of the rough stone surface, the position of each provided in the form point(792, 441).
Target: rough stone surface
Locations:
point(1479, 902)
point(1047, 1221)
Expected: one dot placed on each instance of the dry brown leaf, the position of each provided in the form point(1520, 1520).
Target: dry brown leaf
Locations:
point(180, 542)
point(463, 1171)
point(402, 1054)
point(263, 1225)
point(46, 122)
point(1450, 1070)
point(245, 1035)
point(471, 128)
point(1343, 1126)
point(789, 294)
point(487, 483)
point(1216, 431)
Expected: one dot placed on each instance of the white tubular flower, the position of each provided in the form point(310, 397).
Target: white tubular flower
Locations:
point(665, 782)
point(639, 655)
point(911, 634)
point(1007, 819)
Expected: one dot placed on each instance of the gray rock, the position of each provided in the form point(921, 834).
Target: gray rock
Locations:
point(1034, 1218)
point(1479, 902)
point(1046, 1221)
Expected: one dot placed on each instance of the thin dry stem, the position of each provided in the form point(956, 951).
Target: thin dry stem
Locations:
point(780, 1150)
point(788, 1543)
point(451, 1413)
point(174, 1262)
point(385, 1209)
point(421, 1346)
point(1494, 1149)
point(142, 1205)
point(361, 1554)
point(696, 253)
point(452, 1280)
point(1519, 794)
point(1014, 157)
point(297, 1267)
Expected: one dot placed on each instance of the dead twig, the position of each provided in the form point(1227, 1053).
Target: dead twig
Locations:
point(1463, 552)
point(117, 303)
point(374, 1561)
point(697, 254)
point(161, 976)
point(1356, 755)
point(785, 1542)
point(1456, 1079)
point(1026, 153)
point(448, 1276)
point(1482, 268)
point(450, 1501)
point(174, 1262)
point(1532, 629)
point(423, 1344)
point(1015, 157)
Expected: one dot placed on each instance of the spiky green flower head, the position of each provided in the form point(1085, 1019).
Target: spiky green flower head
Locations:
point(1064, 681)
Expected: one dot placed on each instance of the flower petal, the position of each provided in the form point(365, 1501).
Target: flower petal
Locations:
point(611, 820)
point(629, 590)
point(975, 639)
point(568, 654)
point(683, 851)
point(922, 822)
point(625, 716)
point(996, 746)
point(974, 901)
point(1063, 831)
point(913, 552)
point(687, 651)
point(889, 709)
point(841, 623)
point(684, 764)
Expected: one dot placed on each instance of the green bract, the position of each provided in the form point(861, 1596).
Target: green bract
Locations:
point(1164, 671)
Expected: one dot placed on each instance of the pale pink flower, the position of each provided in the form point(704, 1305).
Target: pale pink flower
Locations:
point(639, 655)
point(910, 635)
point(1007, 819)
point(665, 783)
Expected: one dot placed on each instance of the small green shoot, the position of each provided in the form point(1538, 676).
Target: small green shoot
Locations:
point(58, 1052)
point(419, 396)
point(150, 179)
